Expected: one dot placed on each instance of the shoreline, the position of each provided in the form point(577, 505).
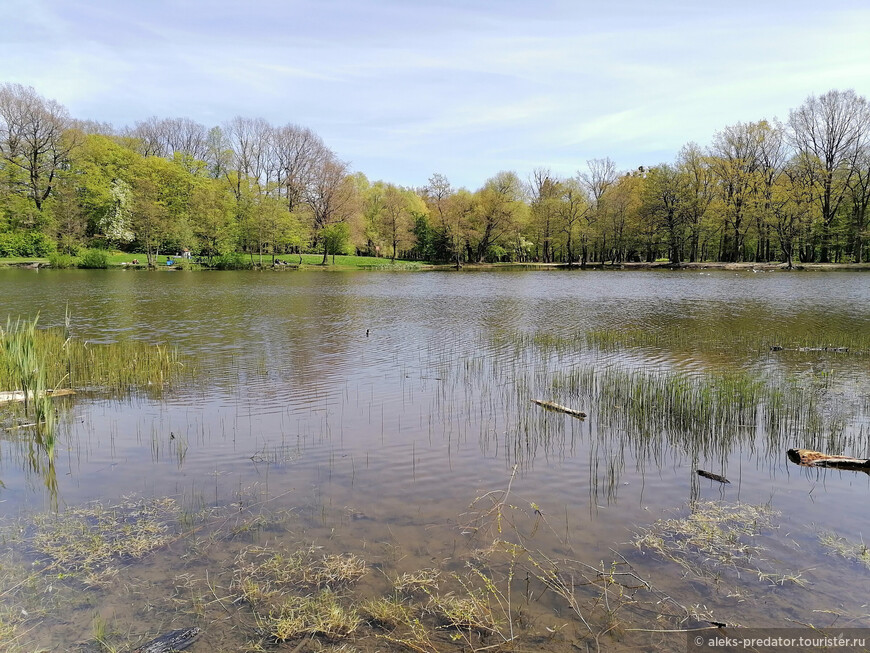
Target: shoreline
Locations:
point(415, 266)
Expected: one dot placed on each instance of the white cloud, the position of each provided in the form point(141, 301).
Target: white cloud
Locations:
point(403, 89)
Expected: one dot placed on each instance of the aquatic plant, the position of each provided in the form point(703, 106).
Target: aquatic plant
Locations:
point(61, 360)
point(853, 551)
point(386, 613)
point(322, 614)
point(716, 538)
point(25, 366)
point(86, 541)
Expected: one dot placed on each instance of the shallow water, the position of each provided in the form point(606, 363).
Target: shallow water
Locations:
point(378, 406)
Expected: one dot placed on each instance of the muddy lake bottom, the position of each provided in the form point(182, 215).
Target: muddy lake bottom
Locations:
point(353, 462)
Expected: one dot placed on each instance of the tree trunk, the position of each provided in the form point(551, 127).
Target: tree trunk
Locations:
point(570, 252)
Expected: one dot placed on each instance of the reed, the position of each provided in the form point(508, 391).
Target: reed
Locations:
point(25, 364)
point(709, 339)
point(706, 412)
point(53, 358)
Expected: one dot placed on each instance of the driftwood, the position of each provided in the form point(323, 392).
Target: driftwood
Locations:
point(809, 458)
point(18, 395)
point(549, 405)
point(176, 640)
point(838, 350)
point(713, 477)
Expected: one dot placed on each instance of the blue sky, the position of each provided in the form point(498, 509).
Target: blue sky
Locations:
point(402, 89)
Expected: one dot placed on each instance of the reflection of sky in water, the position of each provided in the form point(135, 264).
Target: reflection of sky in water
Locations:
point(412, 421)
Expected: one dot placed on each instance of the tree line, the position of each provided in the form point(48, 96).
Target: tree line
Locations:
point(760, 191)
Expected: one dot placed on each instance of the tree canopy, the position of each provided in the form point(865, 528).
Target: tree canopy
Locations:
point(761, 191)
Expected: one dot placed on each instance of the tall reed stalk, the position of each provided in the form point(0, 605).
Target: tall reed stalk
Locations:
point(70, 362)
point(25, 363)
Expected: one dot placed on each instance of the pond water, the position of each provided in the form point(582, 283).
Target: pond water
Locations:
point(372, 409)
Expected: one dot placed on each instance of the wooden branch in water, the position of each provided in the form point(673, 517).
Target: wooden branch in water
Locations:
point(175, 640)
point(713, 477)
point(18, 395)
point(550, 405)
point(809, 458)
point(838, 350)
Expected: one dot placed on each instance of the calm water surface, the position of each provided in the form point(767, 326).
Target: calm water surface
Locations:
point(380, 405)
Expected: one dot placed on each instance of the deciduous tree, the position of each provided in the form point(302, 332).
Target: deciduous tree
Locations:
point(828, 133)
point(331, 197)
point(33, 138)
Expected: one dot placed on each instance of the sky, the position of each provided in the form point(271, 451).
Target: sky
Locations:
point(401, 89)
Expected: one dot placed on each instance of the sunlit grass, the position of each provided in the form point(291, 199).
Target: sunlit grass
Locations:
point(323, 615)
point(386, 613)
point(342, 260)
point(262, 572)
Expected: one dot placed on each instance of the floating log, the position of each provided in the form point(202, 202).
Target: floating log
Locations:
point(837, 350)
point(713, 477)
point(550, 405)
point(809, 458)
point(18, 395)
point(176, 640)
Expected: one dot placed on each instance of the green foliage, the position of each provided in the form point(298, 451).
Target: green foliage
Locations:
point(61, 261)
point(496, 254)
point(337, 238)
point(232, 261)
point(25, 243)
point(94, 259)
point(212, 223)
point(424, 238)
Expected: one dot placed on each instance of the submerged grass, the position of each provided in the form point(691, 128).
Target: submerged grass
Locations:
point(715, 539)
point(507, 595)
point(323, 615)
point(88, 542)
point(262, 572)
point(853, 551)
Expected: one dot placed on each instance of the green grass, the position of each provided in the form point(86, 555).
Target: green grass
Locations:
point(14, 260)
point(345, 261)
point(116, 258)
point(715, 541)
point(88, 541)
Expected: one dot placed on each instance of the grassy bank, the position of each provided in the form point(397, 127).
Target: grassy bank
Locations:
point(292, 261)
point(345, 262)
